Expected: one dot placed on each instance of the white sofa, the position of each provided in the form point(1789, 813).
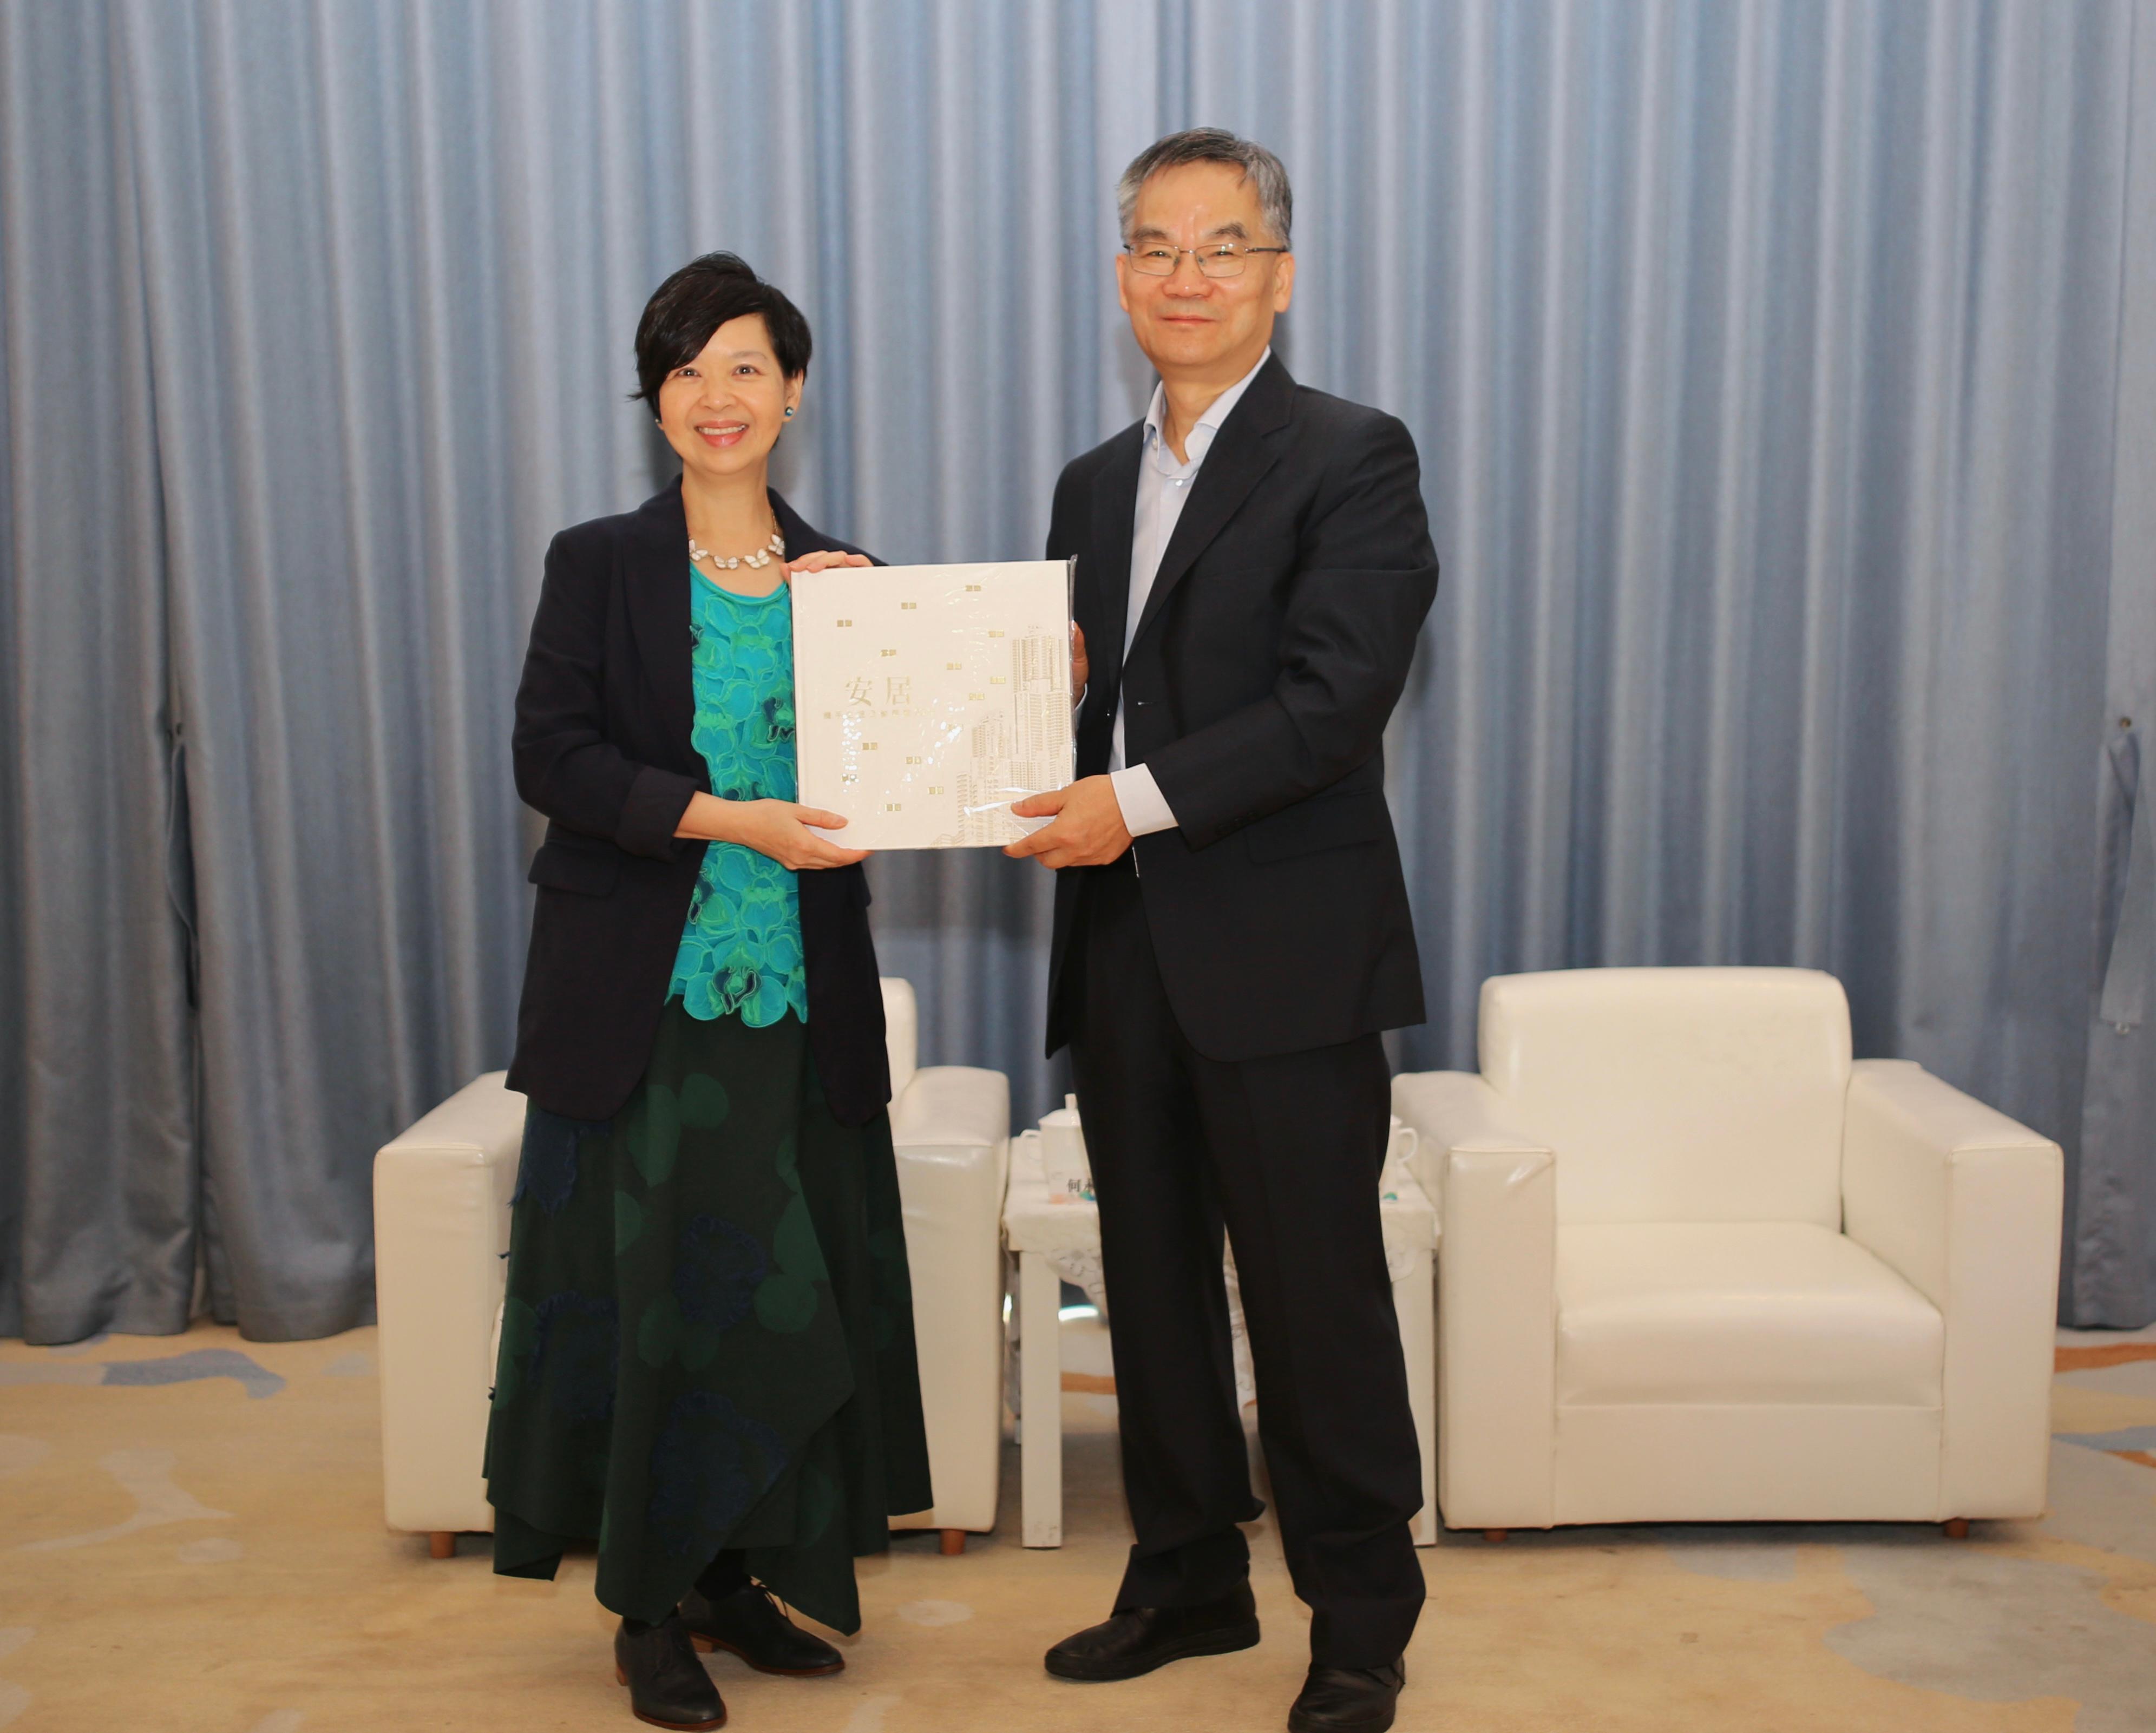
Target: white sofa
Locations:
point(1697, 1265)
point(441, 1224)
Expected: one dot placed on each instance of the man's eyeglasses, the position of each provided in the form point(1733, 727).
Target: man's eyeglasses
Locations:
point(1215, 259)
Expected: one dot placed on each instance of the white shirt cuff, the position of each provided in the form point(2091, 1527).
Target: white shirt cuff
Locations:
point(1145, 808)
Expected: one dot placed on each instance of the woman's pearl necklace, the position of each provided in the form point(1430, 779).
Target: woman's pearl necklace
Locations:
point(774, 548)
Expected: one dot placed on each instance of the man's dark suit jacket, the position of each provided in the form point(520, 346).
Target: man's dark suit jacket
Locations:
point(601, 747)
point(1274, 644)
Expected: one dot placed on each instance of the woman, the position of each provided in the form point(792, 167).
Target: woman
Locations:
point(707, 1358)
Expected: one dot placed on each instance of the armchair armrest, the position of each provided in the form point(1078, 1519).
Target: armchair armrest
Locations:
point(1495, 1188)
point(1964, 1203)
point(951, 1130)
point(1455, 1109)
point(441, 1226)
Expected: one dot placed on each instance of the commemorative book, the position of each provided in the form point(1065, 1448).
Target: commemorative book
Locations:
point(927, 699)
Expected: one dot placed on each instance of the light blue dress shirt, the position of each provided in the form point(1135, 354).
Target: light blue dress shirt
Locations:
point(1164, 485)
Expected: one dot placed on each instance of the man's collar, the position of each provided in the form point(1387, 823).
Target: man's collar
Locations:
point(1215, 413)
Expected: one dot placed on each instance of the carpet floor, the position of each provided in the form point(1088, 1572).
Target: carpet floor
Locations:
point(191, 1541)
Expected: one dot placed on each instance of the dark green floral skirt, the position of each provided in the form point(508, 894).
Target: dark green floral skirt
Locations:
point(708, 1338)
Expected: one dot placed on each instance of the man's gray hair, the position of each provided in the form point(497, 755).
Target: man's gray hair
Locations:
point(1210, 144)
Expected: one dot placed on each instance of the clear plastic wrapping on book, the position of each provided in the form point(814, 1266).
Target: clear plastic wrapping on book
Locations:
point(927, 699)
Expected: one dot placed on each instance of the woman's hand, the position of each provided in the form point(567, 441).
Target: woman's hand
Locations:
point(778, 828)
point(823, 559)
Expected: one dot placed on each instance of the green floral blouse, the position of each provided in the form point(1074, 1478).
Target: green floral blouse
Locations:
point(741, 948)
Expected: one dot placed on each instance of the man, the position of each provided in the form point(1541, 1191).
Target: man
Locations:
point(1254, 564)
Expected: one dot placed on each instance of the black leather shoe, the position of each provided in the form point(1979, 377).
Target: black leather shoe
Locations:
point(1138, 1641)
point(749, 1623)
point(1348, 1700)
point(668, 1686)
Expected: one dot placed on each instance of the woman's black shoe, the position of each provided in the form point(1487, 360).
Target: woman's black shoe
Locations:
point(748, 1623)
point(1348, 1700)
point(1145, 1637)
point(667, 1685)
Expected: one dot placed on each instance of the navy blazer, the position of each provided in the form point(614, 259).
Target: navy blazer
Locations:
point(1275, 642)
point(601, 747)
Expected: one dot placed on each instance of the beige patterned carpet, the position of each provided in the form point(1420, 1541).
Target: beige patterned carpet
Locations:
point(191, 1540)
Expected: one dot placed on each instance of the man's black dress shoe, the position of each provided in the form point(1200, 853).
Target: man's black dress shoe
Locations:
point(1348, 1700)
point(749, 1623)
point(1145, 1637)
point(668, 1686)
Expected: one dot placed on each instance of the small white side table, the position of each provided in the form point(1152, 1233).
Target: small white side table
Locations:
point(1056, 1242)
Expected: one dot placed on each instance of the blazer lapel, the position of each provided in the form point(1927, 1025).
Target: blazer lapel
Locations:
point(1114, 514)
point(1243, 450)
point(656, 587)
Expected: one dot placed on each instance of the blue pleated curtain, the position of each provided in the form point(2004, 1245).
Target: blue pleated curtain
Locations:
point(1782, 372)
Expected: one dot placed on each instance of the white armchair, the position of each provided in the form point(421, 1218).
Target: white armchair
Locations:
point(1697, 1265)
point(441, 1225)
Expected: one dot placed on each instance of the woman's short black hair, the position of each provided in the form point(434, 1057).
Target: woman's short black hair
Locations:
point(698, 298)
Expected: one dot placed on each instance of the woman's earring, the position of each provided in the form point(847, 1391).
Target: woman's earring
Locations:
point(789, 415)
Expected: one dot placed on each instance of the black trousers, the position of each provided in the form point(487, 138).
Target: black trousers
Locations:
point(1285, 1153)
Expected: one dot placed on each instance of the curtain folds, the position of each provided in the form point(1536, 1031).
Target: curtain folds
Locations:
point(2110, 1276)
point(1773, 365)
point(100, 1172)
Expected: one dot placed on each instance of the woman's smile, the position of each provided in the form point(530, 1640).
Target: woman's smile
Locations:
point(721, 434)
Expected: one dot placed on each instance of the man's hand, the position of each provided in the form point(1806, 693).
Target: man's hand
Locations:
point(1082, 669)
point(1088, 830)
